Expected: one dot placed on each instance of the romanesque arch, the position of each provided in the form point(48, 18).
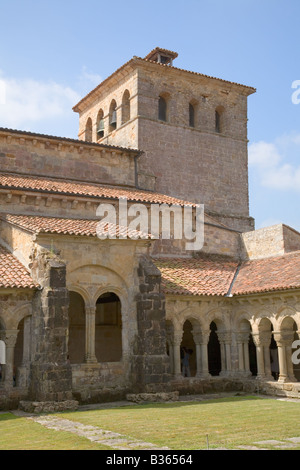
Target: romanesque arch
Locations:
point(108, 328)
point(77, 328)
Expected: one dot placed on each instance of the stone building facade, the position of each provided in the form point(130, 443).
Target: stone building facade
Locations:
point(93, 312)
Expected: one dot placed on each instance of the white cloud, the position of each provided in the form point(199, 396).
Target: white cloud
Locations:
point(29, 101)
point(269, 161)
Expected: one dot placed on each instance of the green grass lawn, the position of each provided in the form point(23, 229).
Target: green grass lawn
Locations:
point(228, 422)
point(23, 434)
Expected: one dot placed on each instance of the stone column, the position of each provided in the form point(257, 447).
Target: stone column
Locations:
point(281, 344)
point(177, 359)
point(10, 339)
point(243, 353)
point(90, 333)
point(225, 343)
point(284, 340)
point(267, 357)
point(259, 355)
point(204, 354)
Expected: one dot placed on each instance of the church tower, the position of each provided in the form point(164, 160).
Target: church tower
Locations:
point(190, 127)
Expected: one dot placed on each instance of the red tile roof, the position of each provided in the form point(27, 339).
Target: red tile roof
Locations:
point(206, 275)
point(83, 227)
point(43, 184)
point(268, 274)
point(214, 275)
point(13, 273)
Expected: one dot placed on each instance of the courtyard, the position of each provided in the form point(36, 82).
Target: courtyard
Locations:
point(193, 423)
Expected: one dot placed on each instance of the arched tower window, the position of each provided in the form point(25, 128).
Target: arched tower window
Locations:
point(112, 116)
point(89, 130)
point(191, 115)
point(125, 107)
point(219, 118)
point(162, 109)
point(100, 124)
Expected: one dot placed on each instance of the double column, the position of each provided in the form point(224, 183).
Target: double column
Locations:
point(242, 339)
point(90, 332)
point(201, 340)
point(10, 338)
point(284, 342)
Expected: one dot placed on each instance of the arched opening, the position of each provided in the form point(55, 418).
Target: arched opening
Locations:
point(219, 119)
point(163, 108)
point(252, 357)
point(193, 110)
point(288, 330)
point(89, 130)
point(214, 351)
point(76, 344)
point(112, 116)
point(125, 107)
point(108, 337)
point(100, 124)
point(188, 351)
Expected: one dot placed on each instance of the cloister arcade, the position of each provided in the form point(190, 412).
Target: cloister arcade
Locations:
point(260, 346)
point(239, 346)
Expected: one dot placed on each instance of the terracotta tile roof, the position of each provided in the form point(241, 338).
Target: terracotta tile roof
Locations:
point(13, 273)
point(83, 227)
point(268, 274)
point(206, 275)
point(214, 275)
point(52, 185)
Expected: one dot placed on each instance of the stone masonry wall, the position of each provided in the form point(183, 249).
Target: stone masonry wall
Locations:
point(51, 375)
point(151, 366)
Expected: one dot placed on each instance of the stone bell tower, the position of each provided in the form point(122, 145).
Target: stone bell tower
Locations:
point(191, 128)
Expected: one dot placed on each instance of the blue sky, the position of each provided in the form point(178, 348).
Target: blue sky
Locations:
point(53, 52)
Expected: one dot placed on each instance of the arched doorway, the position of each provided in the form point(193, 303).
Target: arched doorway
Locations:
point(214, 351)
point(188, 350)
point(108, 335)
point(76, 344)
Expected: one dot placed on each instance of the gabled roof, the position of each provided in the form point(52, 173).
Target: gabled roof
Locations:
point(12, 273)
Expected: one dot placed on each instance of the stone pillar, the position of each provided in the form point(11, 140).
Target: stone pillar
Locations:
point(90, 334)
point(51, 374)
point(150, 371)
point(10, 339)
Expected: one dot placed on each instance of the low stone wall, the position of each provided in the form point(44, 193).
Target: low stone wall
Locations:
point(198, 386)
point(152, 397)
point(48, 406)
